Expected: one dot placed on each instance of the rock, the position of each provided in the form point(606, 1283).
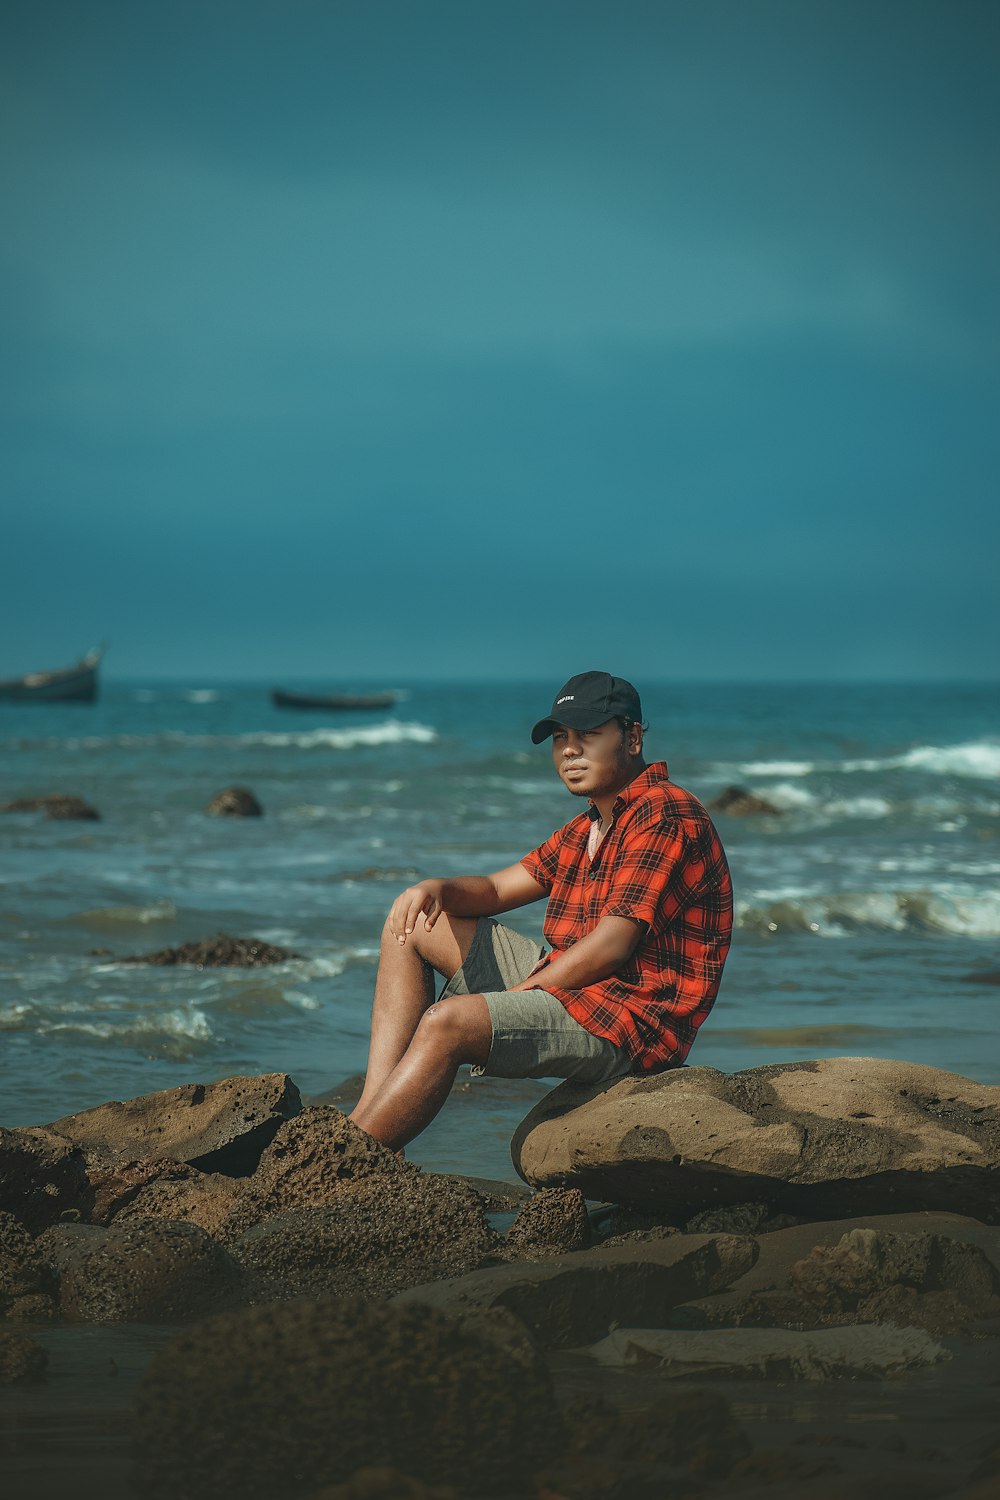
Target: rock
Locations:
point(63, 1245)
point(216, 1127)
point(56, 806)
point(384, 1484)
point(863, 1352)
point(234, 802)
point(575, 1299)
point(552, 1222)
point(367, 1241)
point(219, 952)
point(843, 1136)
point(667, 1449)
point(737, 802)
point(914, 1280)
point(283, 1399)
point(42, 1176)
point(148, 1271)
point(22, 1361)
point(23, 1272)
point(767, 1296)
point(309, 1160)
point(208, 1199)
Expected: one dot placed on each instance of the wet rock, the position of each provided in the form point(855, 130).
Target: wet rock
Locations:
point(23, 1272)
point(42, 1176)
point(148, 1271)
point(664, 1450)
point(384, 1484)
point(853, 1353)
point(307, 1163)
point(575, 1299)
point(287, 1398)
point(64, 1244)
point(917, 1280)
point(218, 952)
point(738, 802)
point(367, 1241)
point(216, 1127)
point(38, 1308)
point(55, 806)
point(234, 802)
point(552, 1222)
point(22, 1361)
point(838, 1137)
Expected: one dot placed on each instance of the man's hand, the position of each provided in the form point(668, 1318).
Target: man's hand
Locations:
point(423, 899)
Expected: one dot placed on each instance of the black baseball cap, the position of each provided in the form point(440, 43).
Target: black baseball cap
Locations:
point(589, 699)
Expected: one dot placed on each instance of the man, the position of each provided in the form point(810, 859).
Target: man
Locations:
point(638, 925)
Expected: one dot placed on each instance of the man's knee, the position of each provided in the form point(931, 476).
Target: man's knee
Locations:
point(457, 1027)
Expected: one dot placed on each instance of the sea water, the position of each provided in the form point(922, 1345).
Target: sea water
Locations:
point(868, 904)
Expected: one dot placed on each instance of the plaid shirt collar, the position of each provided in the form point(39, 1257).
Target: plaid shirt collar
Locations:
point(653, 773)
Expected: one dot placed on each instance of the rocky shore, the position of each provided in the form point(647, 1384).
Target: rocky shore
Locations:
point(784, 1281)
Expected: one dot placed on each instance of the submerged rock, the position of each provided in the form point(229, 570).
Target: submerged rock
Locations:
point(55, 806)
point(738, 802)
point(147, 1271)
point(234, 802)
point(213, 1126)
point(22, 1361)
point(42, 1176)
point(283, 1399)
point(219, 952)
point(841, 1136)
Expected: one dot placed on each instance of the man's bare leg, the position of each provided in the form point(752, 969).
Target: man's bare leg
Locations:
point(404, 988)
point(452, 1032)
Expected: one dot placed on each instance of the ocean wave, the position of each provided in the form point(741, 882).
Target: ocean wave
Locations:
point(390, 732)
point(123, 916)
point(978, 759)
point(961, 912)
point(185, 1023)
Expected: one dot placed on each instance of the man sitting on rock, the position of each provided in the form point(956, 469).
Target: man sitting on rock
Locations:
point(638, 925)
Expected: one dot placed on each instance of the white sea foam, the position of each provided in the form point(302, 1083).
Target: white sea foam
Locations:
point(200, 695)
point(185, 1023)
point(978, 758)
point(952, 909)
point(389, 732)
point(777, 767)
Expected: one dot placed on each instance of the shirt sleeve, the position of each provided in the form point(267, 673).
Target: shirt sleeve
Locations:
point(655, 874)
point(542, 864)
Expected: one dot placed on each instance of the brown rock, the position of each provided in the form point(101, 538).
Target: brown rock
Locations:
point(552, 1222)
point(737, 802)
point(283, 1399)
point(22, 1361)
point(55, 806)
point(148, 1271)
point(570, 1300)
point(42, 1176)
point(64, 1244)
point(307, 1163)
point(208, 1199)
point(23, 1272)
point(213, 1126)
point(219, 952)
point(234, 802)
point(842, 1136)
point(367, 1241)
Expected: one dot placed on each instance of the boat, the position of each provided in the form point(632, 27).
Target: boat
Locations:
point(76, 684)
point(282, 699)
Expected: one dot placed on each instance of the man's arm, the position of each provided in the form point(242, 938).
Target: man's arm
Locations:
point(597, 956)
point(463, 896)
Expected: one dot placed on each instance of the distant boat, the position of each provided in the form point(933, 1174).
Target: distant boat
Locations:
point(281, 699)
point(76, 684)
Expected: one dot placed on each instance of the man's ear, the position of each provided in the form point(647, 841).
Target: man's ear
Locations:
point(635, 739)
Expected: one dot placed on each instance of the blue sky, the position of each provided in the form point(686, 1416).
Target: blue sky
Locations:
point(419, 339)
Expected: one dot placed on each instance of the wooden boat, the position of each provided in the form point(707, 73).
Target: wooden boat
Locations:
point(281, 699)
point(77, 684)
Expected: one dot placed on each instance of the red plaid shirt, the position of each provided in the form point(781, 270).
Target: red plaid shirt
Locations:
point(660, 863)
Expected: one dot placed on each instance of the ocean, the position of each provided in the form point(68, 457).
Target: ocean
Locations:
point(868, 904)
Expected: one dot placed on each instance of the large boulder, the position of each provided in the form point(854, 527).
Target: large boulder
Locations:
point(283, 1399)
point(26, 1282)
point(575, 1299)
point(42, 1176)
point(57, 805)
point(216, 1127)
point(147, 1271)
point(842, 1136)
point(234, 802)
point(367, 1241)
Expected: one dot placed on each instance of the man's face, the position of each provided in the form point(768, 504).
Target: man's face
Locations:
point(595, 762)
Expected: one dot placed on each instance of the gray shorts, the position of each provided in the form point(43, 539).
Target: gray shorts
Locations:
point(534, 1035)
